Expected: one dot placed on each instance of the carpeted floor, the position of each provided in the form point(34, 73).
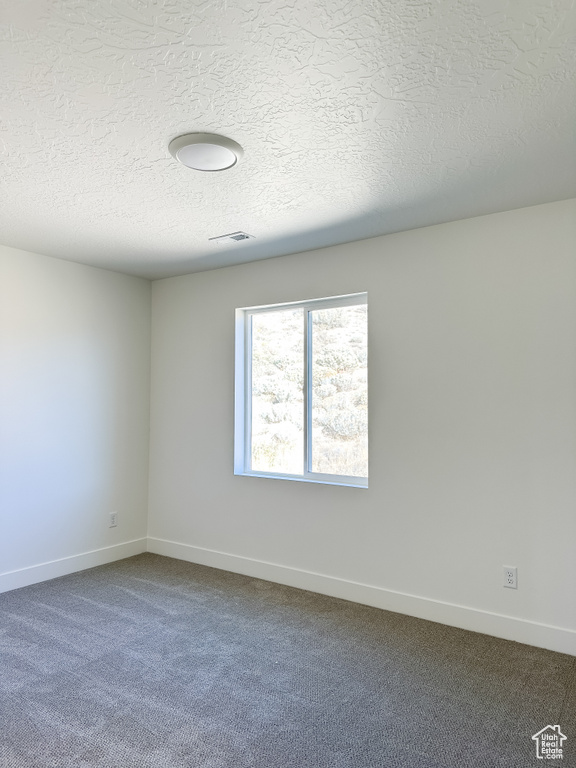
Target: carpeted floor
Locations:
point(156, 663)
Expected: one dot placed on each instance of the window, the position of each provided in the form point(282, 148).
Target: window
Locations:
point(302, 391)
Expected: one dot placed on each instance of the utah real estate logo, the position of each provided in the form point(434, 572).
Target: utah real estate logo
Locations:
point(549, 743)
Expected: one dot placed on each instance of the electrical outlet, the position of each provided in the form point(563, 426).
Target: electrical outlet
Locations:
point(113, 519)
point(510, 576)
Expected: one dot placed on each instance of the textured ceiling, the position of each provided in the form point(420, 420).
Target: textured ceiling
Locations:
point(357, 119)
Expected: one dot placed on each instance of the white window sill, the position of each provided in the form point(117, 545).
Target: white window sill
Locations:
point(356, 482)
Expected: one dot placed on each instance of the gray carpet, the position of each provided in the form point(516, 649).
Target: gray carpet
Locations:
point(156, 663)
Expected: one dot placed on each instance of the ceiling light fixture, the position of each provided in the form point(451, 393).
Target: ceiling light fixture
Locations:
point(206, 151)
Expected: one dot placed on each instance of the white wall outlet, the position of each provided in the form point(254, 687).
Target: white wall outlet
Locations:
point(113, 519)
point(510, 576)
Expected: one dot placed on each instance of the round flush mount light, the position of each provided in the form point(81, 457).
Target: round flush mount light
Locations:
point(206, 151)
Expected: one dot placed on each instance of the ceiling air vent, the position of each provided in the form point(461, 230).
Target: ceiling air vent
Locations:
point(233, 237)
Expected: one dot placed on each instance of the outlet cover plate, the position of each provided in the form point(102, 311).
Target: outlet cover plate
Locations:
point(510, 576)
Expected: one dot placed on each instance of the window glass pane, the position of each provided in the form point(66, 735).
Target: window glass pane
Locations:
point(277, 391)
point(340, 391)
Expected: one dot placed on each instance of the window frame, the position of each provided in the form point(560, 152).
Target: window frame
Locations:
point(243, 390)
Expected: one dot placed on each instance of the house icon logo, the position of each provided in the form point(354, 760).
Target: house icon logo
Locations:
point(549, 743)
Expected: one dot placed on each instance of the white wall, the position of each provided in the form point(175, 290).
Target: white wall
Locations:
point(472, 354)
point(74, 414)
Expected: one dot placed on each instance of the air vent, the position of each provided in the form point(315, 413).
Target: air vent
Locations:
point(233, 237)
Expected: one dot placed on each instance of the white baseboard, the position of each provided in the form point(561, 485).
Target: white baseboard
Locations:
point(65, 565)
point(497, 625)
